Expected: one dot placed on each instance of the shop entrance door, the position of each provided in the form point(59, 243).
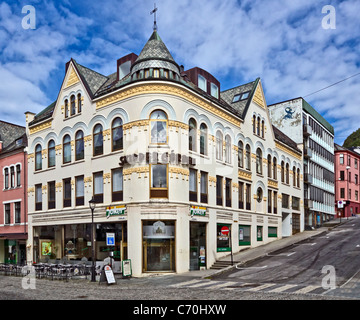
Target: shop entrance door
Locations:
point(295, 223)
point(197, 245)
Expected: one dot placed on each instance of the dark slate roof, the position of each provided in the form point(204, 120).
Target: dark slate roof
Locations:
point(9, 134)
point(155, 49)
point(282, 137)
point(242, 105)
point(44, 114)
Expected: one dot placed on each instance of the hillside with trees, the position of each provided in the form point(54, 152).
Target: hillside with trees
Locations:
point(353, 140)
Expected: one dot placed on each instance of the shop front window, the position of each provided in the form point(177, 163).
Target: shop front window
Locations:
point(158, 246)
point(223, 237)
point(244, 235)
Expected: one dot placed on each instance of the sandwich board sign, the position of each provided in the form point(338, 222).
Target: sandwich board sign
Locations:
point(108, 274)
point(126, 268)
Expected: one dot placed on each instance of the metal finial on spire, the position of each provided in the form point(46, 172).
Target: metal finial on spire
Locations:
point(154, 12)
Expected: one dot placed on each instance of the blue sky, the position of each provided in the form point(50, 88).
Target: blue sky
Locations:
point(282, 42)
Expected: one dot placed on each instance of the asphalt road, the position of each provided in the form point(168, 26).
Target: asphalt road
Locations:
point(327, 263)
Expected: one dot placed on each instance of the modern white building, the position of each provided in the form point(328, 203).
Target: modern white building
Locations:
point(315, 136)
point(173, 163)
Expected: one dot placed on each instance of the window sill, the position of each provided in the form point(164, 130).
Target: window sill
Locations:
point(44, 170)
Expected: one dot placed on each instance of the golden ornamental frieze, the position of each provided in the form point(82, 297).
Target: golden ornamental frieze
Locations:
point(272, 183)
point(288, 151)
point(244, 174)
point(40, 127)
point(169, 90)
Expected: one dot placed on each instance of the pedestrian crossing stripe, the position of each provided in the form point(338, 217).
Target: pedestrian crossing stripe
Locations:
point(254, 287)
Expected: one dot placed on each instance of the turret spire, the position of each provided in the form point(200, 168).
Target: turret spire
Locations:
point(154, 12)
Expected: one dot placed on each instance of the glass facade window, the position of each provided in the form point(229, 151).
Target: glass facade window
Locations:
point(79, 191)
point(98, 140)
point(158, 127)
point(67, 193)
point(202, 83)
point(51, 154)
point(17, 207)
point(219, 190)
point(193, 185)
point(192, 134)
point(219, 145)
point(79, 145)
point(159, 181)
point(117, 184)
point(203, 187)
point(223, 239)
point(38, 157)
point(117, 134)
point(203, 139)
point(244, 235)
point(38, 197)
point(158, 246)
point(67, 149)
point(51, 195)
point(7, 213)
point(98, 187)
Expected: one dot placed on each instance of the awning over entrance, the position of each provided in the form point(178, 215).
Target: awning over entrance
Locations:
point(14, 236)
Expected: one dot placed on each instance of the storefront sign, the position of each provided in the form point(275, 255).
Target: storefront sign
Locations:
point(126, 268)
point(197, 211)
point(109, 275)
point(155, 158)
point(115, 211)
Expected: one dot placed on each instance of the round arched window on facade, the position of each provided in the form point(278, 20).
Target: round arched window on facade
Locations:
point(259, 194)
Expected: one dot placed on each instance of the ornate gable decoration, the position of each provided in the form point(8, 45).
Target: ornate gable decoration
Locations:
point(72, 79)
point(258, 96)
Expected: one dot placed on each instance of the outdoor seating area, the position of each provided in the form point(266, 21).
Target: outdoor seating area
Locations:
point(50, 271)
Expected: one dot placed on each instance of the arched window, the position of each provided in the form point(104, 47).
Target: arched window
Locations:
point(51, 153)
point(66, 108)
point(203, 139)
point(282, 171)
point(79, 145)
point(72, 105)
point(38, 157)
point(258, 161)
point(258, 126)
point(192, 134)
point(227, 149)
point(248, 157)
point(269, 171)
point(274, 168)
point(240, 154)
point(262, 129)
point(219, 145)
point(259, 194)
point(117, 134)
point(294, 176)
point(287, 173)
point(298, 178)
point(158, 127)
point(79, 102)
point(254, 124)
point(67, 149)
point(98, 140)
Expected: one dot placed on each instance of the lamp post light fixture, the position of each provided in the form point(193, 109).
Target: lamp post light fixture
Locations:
point(92, 205)
point(347, 190)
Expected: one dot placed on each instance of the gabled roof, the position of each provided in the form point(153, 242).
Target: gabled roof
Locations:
point(9, 134)
point(240, 106)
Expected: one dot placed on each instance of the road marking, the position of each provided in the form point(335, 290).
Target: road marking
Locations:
point(196, 285)
point(280, 254)
point(263, 267)
point(220, 285)
point(264, 286)
point(185, 283)
point(306, 289)
point(283, 288)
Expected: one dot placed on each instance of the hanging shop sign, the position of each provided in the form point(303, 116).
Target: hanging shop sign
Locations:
point(115, 211)
point(156, 157)
point(197, 211)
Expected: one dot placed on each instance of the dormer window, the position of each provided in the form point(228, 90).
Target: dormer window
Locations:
point(201, 82)
point(72, 105)
point(241, 96)
point(156, 73)
point(214, 90)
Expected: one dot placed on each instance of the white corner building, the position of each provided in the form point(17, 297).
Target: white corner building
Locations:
point(173, 164)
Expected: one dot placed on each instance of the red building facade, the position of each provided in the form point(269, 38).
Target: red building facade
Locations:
point(347, 184)
point(13, 195)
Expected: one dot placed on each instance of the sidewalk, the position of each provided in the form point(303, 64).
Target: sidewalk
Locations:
point(258, 252)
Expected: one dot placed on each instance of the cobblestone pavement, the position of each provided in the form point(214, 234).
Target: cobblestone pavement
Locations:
point(150, 288)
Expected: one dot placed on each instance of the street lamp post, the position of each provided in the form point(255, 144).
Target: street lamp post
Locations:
point(92, 204)
point(347, 184)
